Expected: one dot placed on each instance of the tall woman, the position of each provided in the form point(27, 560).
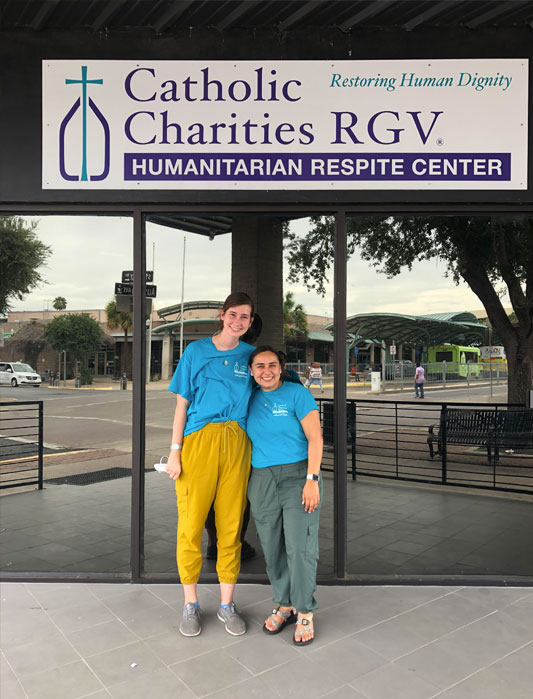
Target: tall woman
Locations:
point(285, 490)
point(210, 457)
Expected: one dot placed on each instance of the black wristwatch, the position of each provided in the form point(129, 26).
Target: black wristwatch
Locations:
point(312, 477)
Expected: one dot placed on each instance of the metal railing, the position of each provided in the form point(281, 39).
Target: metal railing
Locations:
point(389, 439)
point(21, 444)
point(301, 368)
point(401, 374)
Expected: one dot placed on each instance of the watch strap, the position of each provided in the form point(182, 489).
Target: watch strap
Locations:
point(312, 477)
point(175, 447)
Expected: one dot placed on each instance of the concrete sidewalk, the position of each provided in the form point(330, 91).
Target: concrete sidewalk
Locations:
point(68, 641)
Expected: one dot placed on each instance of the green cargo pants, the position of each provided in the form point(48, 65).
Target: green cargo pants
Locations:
point(288, 534)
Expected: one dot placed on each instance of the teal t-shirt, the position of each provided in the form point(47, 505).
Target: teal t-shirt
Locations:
point(216, 383)
point(274, 424)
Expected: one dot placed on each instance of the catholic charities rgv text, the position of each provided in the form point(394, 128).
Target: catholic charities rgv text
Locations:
point(443, 124)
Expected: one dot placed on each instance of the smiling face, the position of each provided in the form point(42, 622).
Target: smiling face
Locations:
point(266, 370)
point(236, 321)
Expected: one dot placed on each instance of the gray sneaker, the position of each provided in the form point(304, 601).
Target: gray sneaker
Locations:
point(233, 621)
point(190, 621)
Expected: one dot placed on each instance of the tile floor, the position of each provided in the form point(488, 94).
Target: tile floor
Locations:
point(67, 641)
point(394, 528)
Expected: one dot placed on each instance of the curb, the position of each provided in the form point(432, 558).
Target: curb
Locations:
point(81, 388)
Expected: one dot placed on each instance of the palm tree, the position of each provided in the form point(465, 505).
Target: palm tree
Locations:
point(60, 303)
point(120, 320)
point(294, 318)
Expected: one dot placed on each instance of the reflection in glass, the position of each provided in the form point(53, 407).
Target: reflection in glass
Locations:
point(208, 277)
point(80, 520)
point(406, 515)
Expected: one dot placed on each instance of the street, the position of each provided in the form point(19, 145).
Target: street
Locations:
point(101, 419)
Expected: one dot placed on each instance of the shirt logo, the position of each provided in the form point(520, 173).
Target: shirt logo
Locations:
point(280, 410)
point(240, 370)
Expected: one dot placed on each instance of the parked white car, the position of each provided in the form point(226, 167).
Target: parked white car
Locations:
point(17, 374)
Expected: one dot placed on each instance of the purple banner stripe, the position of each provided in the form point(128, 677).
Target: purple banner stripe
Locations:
point(257, 167)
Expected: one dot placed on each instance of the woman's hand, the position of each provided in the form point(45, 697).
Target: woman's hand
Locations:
point(174, 464)
point(310, 496)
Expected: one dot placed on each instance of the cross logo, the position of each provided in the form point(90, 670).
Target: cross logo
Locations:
point(86, 104)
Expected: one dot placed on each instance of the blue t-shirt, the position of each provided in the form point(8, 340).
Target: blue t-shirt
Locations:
point(216, 383)
point(274, 424)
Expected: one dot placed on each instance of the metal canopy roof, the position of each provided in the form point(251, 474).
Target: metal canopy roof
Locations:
point(189, 306)
point(166, 16)
point(175, 325)
point(319, 336)
point(418, 330)
point(209, 226)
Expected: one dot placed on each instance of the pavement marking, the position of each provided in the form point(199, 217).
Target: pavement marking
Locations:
point(30, 441)
point(104, 402)
point(81, 417)
point(82, 388)
point(45, 456)
point(104, 419)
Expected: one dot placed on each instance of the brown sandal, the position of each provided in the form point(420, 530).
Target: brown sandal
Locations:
point(289, 617)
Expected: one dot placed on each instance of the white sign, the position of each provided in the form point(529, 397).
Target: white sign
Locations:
point(392, 350)
point(492, 352)
point(424, 124)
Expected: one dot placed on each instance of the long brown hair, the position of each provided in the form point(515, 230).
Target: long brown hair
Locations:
point(237, 298)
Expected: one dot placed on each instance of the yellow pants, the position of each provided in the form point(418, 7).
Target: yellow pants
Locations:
point(215, 465)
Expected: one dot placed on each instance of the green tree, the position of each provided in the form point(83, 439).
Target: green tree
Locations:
point(77, 333)
point(491, 254)
point(294, 318)
point(120, 320)
point(60, 303)
point(21, 253)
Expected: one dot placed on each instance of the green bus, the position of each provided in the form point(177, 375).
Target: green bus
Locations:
point(460, 361)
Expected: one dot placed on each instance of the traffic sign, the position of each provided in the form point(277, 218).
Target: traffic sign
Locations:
point(127, 276)
point(127, 290)
point(392, 350)
point(125, 304)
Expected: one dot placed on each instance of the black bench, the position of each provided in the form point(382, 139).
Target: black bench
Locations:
point(492, 429)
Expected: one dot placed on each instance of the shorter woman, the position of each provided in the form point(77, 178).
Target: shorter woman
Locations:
point(285, 490)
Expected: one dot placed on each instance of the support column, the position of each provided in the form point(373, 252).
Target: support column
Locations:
point(257, 269)
point(138, 396)
point(340, 509)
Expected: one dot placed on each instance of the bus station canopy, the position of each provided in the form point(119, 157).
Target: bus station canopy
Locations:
point(434, 329)
point(189, 306)
point(175, 326)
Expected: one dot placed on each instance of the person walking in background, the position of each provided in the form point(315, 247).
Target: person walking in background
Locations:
point(315, 376)
point(210, 457)
point(285, 490)
point(419, 380)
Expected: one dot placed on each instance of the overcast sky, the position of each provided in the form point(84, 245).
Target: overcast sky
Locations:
point(89, 253)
